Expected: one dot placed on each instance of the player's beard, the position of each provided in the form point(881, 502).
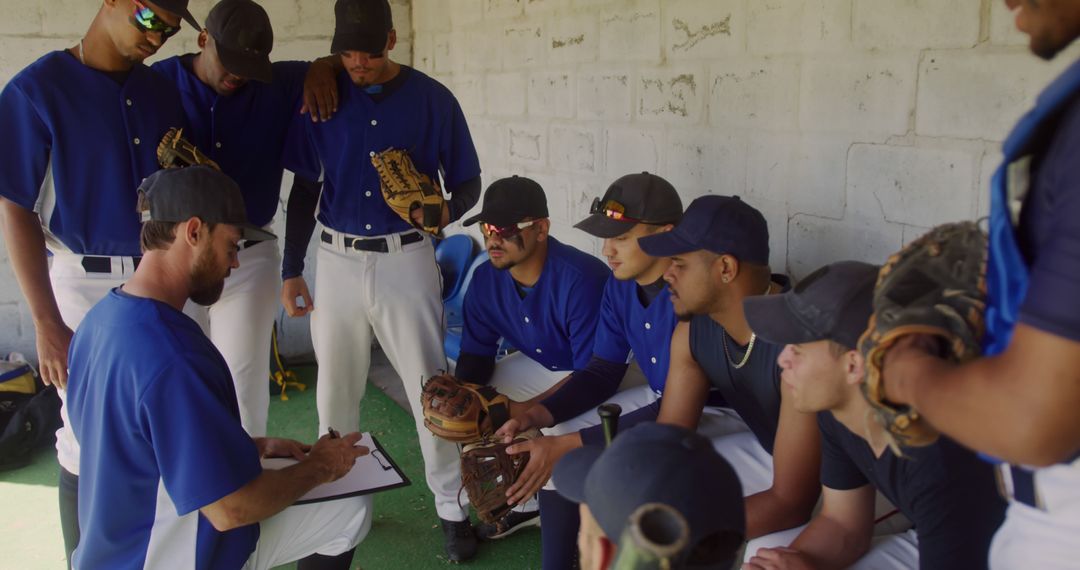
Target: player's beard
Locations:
point(207, 283)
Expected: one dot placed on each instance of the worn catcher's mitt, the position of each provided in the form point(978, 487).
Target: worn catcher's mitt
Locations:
point(936, 286)
point(487, 472)
point(174, 151)
point(462, 412)
point(405, 189)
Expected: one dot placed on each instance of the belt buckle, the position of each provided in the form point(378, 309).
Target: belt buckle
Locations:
point(355, 245)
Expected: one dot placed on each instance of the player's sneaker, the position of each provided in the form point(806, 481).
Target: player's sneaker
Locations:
point(509, 524)
point(459, 540)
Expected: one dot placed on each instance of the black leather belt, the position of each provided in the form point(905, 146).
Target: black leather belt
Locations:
point(99, 264)
point(372, 244)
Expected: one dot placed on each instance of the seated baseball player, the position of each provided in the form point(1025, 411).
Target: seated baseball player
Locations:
point(635, 320)
point(944, 489)
point(719, 255)
point(168, 476)
point(541, 296)
point(654, 464)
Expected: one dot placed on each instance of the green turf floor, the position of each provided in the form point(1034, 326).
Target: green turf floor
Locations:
point(405, 532)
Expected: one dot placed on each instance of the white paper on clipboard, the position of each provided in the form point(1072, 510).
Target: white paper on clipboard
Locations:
point(372, 473)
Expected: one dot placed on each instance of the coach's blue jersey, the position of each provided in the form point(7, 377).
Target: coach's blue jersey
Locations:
point(555, 324)
point(152, 404)
point(625, 326)
point(245, 132)
point(421, 116)
point(79, 144)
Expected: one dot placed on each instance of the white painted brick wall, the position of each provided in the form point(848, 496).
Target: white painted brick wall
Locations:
point(852, 124)
point(302, 30)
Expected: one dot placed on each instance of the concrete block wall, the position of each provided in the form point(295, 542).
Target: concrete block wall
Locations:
point(852, 124)
point(302, 30)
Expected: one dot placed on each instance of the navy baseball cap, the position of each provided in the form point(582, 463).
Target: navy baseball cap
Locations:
point(633, 199)
point(179, 194)
point(833, 303)
point(511, 200)
point(243, 38)
point(180, 8)
point(720, 224)
point(659, 463)
point(361, 25)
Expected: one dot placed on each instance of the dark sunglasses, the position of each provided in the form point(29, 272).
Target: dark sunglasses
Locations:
point(507, 232)
point(612, 209)
point(145, 20)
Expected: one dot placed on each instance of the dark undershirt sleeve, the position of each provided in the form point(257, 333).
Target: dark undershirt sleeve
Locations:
point(595, 435)
point(463, 197)
point(586, 389)
point(474, 368)
point(299, 225)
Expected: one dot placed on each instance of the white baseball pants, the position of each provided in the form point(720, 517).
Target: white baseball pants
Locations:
point(1046, 537)
point(395, 296)
point(76, 292)
point(328, 528)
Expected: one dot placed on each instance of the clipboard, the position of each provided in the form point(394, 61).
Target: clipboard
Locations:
point(373, 473)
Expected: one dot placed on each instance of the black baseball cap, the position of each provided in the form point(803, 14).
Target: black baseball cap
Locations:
point(659, 463)
point(361, 25)
point(180, 8)
point(178, 194)
point(243, 37)
point(639, 198)
point(833, 303)
point(720, 224)
point(511, 200)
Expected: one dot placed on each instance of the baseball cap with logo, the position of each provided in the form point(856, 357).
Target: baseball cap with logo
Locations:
point(361, 25)
point(720, 224)
point(660, 463)
point(833, 303)
point(633, 199)
point(243, 38)
point(179, 194)
point(511, 200)
point(180, 8)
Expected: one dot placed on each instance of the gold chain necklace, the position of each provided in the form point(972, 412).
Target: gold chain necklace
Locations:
point(749, 347)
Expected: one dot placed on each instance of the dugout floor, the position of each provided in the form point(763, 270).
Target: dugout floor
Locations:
point(405, 531)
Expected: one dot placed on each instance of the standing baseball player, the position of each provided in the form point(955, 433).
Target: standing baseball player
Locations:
point(945, 490)
point(240, 108)
point(83, 127)
point(635, 320)
point(169, 478)
point(376, 272)
point(719, 253)
point(536, 293)
point(1019, 402)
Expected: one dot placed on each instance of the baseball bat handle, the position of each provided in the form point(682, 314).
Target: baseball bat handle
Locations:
point(657, 537)
point(609, 420)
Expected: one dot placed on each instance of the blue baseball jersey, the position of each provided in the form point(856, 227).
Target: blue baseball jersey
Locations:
point(245, 132)
point(421, 116)
point(152, 404)
point(79, 145)
point(626, 326)
point(555, 324)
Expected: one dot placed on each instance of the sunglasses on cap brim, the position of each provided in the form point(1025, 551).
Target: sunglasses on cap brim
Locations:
point(612, 209)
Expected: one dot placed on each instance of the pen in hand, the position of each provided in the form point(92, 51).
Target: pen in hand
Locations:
point(333, 434)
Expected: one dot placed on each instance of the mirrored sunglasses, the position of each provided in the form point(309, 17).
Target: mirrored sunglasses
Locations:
point(145, 20)
point(506, 232)
point(612, 209)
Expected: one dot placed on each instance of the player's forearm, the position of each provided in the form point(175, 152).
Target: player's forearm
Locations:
point(463, 197)
point(299, 225)
point(26, 250)
point(583, 390)
point(830, 545)
point(270, 493)
point(991, 406)
point(768, 512)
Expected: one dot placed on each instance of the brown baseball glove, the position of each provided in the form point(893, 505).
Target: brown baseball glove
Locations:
point(936, 285)
point(462, 412)
point(406, 189)
point(487, 472)
point(174, 151)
